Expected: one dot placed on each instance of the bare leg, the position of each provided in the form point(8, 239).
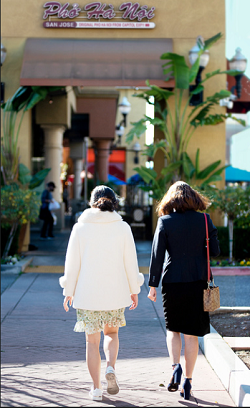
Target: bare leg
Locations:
point(174, 346)
point(191, 353)
point(111, 345)
point(93, 358)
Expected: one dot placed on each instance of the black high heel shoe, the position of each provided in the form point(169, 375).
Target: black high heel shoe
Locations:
point(176, 379)
point(186, 389)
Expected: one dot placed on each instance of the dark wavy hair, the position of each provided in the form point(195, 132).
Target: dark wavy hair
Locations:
point(104, 198)
point(180, 197)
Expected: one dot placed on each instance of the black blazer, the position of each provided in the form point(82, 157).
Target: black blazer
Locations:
point(181, 238)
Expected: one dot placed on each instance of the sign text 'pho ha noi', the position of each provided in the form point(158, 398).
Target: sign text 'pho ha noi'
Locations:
point(97, 15)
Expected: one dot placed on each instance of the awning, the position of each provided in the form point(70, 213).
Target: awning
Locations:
point(94, 62)
point(235, 175)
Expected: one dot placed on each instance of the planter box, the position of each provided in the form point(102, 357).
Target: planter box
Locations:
point(18, 267)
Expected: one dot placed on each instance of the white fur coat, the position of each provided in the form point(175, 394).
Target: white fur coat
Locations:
point(101, 269)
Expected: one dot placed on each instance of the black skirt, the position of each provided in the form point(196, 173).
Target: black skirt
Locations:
point(183, 308)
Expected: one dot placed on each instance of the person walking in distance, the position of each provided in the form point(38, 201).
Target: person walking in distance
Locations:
point(101, 278)
point(179, 257)
point(45, 213)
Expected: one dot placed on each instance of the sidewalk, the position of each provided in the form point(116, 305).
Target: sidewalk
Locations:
point(43, 360)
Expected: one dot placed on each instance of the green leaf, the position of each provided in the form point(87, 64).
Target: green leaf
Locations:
point(146, 174)
point(137, 130)
point(152, 149)
point(199, 88)
point(208, 43)
point(180, 70)
point(171, 167)
point(197, 161)
point(218, 96)
point(34, 99)
point(211, 179)
point(194, 70)
point(18, 100)
point(23, 174)
point(187, 165)
point(38, 178)
point(209, 169)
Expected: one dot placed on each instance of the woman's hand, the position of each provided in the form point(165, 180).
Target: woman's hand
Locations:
point(65, 303)
point(152, 294)
point(134, 299)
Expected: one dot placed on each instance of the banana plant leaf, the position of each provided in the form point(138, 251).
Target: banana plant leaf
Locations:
point(171, 167)
point(152, 149)
point(177, 66)
point(24, 175)
point(208, 43)
point(38, 178)
point(211, 179)
point(137, 130)
point(204, 173)
point(148, 175)
point(187, 165)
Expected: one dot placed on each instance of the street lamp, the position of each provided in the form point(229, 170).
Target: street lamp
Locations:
point(3, 56)
point(124, 108)
point(137, 149)
point(238, 63)
point(204, 59)
point(119, 130)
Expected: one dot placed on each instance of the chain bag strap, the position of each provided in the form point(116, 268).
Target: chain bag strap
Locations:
point(211, 295)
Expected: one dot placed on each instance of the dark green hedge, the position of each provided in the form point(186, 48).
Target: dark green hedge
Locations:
point(241, 242)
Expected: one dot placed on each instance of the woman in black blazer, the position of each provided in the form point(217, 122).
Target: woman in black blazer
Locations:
point(179, 258)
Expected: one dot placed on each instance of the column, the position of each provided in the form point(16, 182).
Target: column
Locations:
point(78, 180)
point(53, 136)
point(102, 158)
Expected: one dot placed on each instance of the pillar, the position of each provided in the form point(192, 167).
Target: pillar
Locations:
point(78, 180)
point(53, 137)
point(102, 148)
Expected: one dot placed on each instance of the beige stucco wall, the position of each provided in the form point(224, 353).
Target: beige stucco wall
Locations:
point(180, 20)
point(173, 19)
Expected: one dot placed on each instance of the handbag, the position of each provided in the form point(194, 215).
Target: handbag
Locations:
point(211, 295)
point(54, 205)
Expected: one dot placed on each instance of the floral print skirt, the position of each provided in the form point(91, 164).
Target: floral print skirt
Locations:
point(93, 321)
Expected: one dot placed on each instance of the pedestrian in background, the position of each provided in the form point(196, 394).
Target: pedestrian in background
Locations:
point(179, 257)
point(45, 213)
point(101, 278)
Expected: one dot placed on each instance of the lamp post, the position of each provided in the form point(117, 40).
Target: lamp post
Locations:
point(3, 56)
point(238, 63)
point(204, 59)
point(136, 149)
point(124, 108)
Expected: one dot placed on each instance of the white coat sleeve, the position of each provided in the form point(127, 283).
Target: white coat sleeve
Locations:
point(72, 265)
point(135, 278)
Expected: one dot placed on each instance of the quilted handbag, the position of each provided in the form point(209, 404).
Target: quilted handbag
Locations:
point(211, 295)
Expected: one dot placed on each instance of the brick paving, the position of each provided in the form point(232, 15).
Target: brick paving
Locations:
point(43, 359)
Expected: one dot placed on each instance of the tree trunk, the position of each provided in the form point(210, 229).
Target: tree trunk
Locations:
point(231, 230)
point(10, 239)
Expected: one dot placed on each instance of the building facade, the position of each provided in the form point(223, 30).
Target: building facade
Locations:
point(99, 54)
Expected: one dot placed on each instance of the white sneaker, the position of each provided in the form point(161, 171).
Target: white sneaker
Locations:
point(113, 386)
point(95, 395)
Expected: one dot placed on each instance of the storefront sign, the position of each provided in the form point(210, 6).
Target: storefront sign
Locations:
point(132, 12)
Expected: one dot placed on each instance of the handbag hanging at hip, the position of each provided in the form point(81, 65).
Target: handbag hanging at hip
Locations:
point(211, 295)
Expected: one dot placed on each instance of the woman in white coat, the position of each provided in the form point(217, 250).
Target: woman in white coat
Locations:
point(101, 278)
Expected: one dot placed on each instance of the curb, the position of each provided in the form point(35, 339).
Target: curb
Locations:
point(233, 373)
point(231, 309)
point(18, 267)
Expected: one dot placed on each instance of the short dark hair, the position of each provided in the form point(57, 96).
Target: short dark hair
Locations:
point(104, 198)
point(180, 197)
point(51, 184)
